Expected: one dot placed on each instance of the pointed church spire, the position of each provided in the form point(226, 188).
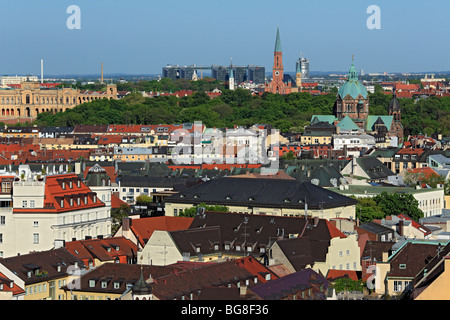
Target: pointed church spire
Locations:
point(352, 74)
point(278, 41)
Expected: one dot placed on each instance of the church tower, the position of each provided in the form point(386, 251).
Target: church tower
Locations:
point(395, 112)
point(278, 85)
point(298, 78)
point(231, 79)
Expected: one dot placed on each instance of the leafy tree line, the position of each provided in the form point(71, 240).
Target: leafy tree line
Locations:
point(387, 204)
point(238, 107)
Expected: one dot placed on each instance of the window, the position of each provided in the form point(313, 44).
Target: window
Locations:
point(91, 283)
point(32, 204)
point(62, 203)
point(35, 238)
point(1, 237)
point(398, 286)
point(104, 284)
point(2, 220)
point(35, 223)
point(24, 203)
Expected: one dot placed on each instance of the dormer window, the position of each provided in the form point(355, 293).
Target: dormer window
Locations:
point(94, 198)
point(78, 201)
point(71, 201)
point(79, 184)
point(104, 284)
point(91, 283)
point(70, 184)
point(62, 203)
point(116, 285)
point(63, 185)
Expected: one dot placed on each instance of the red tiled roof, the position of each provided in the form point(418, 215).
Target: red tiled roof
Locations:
point(416, 151)
point(335, 274)
point(126, 128)
point(334, 232)
point(116, 202)
point(15, 289)
point(54, 194)
point(144, 227)
point(108, 249)
point(427, 172)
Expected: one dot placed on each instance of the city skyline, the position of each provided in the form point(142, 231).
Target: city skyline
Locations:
point(141, 38)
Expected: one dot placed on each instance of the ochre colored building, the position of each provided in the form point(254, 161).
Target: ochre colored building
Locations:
point(30, 99)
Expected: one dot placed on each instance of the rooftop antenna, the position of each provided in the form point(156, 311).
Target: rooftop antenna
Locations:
point(42, 71)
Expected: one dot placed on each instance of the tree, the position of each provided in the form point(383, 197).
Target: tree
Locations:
point(117, 215)
point(191, 212)
point(347, 284)
point(398, 203)
point(143, 200)
point(367, 209)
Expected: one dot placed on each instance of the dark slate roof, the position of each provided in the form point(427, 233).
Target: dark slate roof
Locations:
point(275, 193)
point(187, 241)
point(374, 250)
point(157, 182)
point(375, 228)
point(302, 252)
point(46, 262)
point(260, 230)
point(414, 257)
point(374, 168)
point(292, 284)
point(124, 274)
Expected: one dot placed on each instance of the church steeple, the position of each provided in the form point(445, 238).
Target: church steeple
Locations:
point(352, 74)
point(278, 41)
point(231, 78)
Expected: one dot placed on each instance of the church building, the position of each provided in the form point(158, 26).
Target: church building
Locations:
point(280, 83)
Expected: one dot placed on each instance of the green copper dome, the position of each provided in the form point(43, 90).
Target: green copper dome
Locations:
point(353, 86)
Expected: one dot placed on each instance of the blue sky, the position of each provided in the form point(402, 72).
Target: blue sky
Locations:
point(141, 36)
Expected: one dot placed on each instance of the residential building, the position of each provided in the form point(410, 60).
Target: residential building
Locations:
point(302, 285)
point(95, 252)
point(55, 207)
point(141, 229)
point(431, 200)
point(396, 273)
point(318, 133)
point(42, 275)
point(260, 196)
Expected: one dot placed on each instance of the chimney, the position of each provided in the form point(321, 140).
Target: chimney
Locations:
point(126, 224)
point(316, 221)
point(400, 227)
point(385, 256)
point(242, 291)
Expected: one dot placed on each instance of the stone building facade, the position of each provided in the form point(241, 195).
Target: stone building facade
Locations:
point(30, 99)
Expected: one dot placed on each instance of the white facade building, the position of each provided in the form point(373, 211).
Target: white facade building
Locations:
point(56, 207)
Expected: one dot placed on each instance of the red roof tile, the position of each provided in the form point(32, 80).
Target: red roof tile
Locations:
point(144, 227)
point(54, 194)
